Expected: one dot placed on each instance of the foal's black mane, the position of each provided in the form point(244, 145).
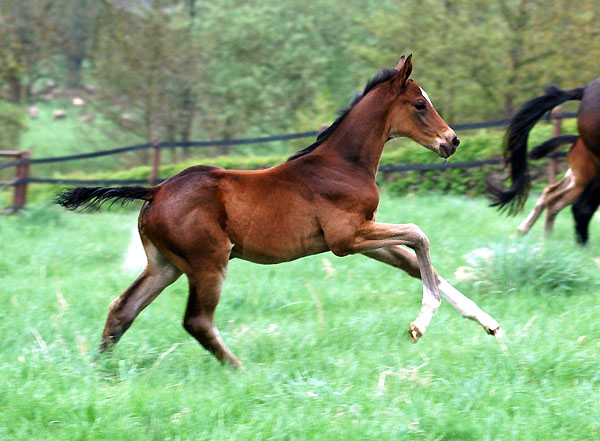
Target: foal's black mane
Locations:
point(381, 77)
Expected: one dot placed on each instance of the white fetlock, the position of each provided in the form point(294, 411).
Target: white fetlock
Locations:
point(419, 326)
point(414, 333)
point(498, 332)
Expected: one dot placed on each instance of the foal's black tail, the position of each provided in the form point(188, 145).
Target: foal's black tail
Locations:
point(515, 147)
point(89, 197)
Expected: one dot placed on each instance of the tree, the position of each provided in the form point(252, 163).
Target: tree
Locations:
point(220, 70)
point(268, 60)
point(77, 21)
point(143, 61)
point(482, 59)
point(447, 42)
point(30, 36)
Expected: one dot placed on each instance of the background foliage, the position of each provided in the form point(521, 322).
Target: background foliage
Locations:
point(228, 68)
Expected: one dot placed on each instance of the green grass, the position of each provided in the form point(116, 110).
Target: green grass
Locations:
point(45, 137)
point(315, 342)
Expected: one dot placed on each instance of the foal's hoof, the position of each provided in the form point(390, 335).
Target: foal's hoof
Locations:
point(498, 332)
point(414, 333)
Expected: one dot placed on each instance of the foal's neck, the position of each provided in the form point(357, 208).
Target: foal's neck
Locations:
point(361, 135)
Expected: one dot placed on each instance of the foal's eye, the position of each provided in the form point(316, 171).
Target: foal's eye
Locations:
point(420, 105)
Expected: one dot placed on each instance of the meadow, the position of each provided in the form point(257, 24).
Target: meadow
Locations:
point(323, 339)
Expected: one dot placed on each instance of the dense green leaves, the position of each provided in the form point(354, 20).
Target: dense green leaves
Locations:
point(482, 59)
point(181, 69)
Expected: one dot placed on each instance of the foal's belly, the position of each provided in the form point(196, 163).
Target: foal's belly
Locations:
point(271, 246)
point(270, 218)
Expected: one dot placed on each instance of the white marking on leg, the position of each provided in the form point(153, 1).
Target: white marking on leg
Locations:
point(468, 308)
point(528, 222)
point(429, 307)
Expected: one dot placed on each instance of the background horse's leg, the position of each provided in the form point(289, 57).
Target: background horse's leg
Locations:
point(584, 208)
point(205, 291)
point(559, 201)
point(406, 260)
point(541, 203)
point(533, 216)
point(158, 274)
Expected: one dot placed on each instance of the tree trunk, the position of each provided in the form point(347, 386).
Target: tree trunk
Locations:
point(15, 90)
point(509, 105)
point(74, 78)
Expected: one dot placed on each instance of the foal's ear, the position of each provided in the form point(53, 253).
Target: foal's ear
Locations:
point(404, 68)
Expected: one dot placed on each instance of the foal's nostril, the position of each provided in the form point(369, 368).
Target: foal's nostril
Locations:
point(455, 141)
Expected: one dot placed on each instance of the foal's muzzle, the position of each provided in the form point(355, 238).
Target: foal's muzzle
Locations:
point(447, 149)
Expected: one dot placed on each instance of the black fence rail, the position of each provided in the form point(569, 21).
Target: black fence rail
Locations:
point(23, 163)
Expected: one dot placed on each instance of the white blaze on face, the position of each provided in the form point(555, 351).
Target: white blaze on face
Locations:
point(426, 96)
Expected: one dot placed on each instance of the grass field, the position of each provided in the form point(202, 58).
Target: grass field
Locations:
point(323, 339)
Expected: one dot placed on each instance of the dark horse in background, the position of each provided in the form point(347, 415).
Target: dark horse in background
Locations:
point(324, 198)
point(581, 184)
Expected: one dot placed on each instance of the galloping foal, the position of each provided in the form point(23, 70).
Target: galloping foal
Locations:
point(324, 198)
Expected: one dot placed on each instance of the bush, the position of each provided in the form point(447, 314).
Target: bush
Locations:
point(475, 146)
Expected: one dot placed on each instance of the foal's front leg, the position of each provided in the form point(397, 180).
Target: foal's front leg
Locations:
point(406, 260)
point(373, 235)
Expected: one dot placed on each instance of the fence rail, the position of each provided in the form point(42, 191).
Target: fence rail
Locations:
point(23, 161)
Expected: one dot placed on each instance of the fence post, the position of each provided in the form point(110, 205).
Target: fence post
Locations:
point(553, 164)
point(21, 175)
point(155, 162)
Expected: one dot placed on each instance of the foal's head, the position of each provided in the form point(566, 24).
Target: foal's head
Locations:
point(412, 114)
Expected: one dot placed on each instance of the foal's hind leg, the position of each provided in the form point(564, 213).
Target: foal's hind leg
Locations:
point(558, 202)
point(158, 274)
point(406, 260)
point(205, 291)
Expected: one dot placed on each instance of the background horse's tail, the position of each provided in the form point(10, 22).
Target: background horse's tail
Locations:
point(88, 197)
point(515, 147)
point(547, 147)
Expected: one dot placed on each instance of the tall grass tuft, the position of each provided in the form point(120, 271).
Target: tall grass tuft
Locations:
point(541, 267)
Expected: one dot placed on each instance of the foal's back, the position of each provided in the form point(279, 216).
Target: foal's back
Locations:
point(265, 216)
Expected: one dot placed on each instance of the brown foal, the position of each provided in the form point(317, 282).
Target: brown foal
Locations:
point(324, 198)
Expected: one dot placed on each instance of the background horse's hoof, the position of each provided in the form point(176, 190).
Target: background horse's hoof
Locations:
point(414, 333)
point(237, 366)
point(105, 345)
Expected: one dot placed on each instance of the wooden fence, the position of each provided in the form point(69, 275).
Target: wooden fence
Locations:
point(22, 160)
